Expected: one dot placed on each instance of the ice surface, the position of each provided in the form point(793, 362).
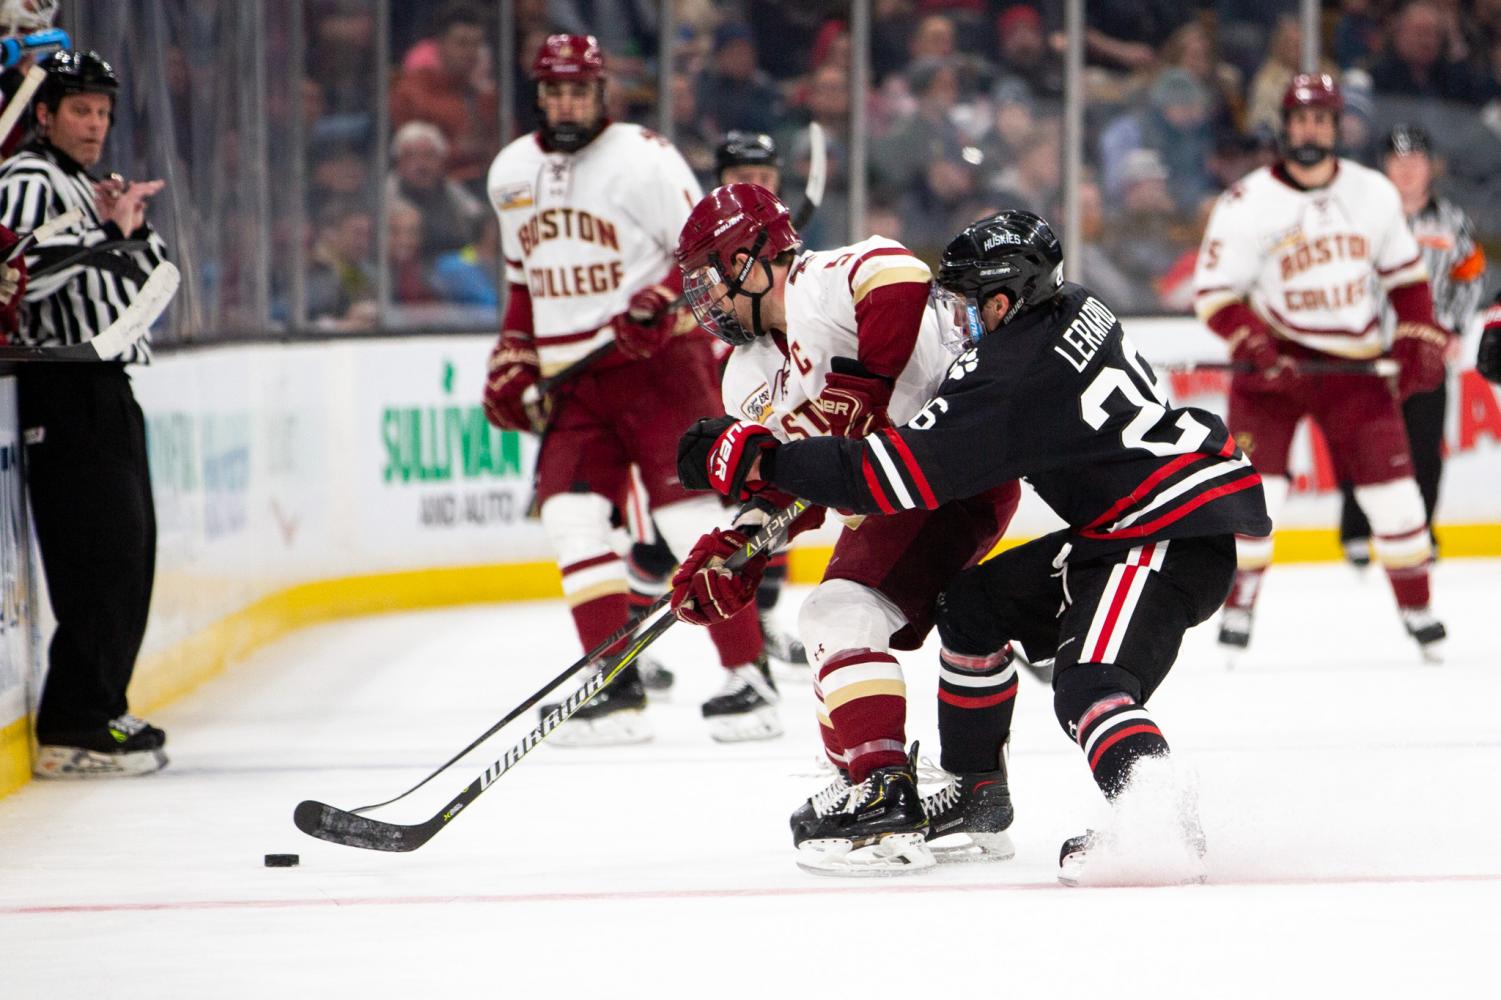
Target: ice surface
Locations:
point(1348, 792)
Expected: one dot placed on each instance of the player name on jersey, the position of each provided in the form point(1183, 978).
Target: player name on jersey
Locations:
point(1083, 337)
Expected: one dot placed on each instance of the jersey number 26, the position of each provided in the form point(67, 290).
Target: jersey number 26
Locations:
point(1144, 395)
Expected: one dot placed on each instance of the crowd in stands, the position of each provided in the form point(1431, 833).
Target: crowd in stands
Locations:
point(965, 111)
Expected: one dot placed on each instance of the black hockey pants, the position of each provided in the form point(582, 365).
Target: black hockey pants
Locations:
point(90, 488)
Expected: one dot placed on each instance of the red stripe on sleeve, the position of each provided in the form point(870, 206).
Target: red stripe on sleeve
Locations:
point(908, 459)
point(874, 485)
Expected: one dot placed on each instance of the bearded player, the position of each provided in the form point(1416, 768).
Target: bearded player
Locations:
point(1293, 268)
point(589, 213)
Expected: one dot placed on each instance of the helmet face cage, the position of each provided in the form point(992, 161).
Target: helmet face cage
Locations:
point(709, 293)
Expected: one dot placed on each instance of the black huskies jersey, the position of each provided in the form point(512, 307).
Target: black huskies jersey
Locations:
point(1058, 396)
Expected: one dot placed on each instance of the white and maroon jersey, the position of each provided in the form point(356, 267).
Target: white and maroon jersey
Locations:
point(1314, 264)
point(834, 310)
point(585, 231)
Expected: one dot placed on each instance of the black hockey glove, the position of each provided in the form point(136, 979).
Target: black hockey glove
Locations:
point(719, 453)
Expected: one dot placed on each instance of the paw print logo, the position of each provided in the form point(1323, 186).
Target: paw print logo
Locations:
point(964, 364)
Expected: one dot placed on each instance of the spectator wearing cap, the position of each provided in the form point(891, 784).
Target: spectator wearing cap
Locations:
point(1416, 64)
point(1174, 124)
point(457, 95)
point(450, 215)
point(734, 93)
point(1024, 55)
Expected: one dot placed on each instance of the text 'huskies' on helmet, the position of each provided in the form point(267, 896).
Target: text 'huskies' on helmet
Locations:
point(1012, 252)
point(569, 57)
point(731, 220)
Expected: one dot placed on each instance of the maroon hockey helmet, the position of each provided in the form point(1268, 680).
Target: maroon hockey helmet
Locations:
point(569, 57)
point(1313, 90)
point(731, 220)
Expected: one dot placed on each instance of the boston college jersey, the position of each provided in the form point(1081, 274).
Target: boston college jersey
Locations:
point(585, 231)
point(1060, 397)
point(830, 315)
point(1315, 264)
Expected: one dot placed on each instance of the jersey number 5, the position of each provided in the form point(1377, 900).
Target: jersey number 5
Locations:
point(1144, 396)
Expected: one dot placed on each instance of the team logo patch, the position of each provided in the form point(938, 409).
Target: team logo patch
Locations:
point(757, 406)
point(514, 196)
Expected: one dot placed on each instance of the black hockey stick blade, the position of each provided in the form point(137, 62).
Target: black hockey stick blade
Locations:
point(340, 826)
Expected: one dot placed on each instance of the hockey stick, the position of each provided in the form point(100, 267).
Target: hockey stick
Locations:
point(1383, 367)
point(341, 826)
point(45, 232)
point(114, 340)
point(818, 167)
point(20, 100)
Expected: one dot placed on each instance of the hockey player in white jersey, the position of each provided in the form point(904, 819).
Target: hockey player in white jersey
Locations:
point(1294, 265)
point(589, 214)
point(845, 342)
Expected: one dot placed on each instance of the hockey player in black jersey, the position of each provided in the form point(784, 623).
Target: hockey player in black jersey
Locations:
point(1051, 390)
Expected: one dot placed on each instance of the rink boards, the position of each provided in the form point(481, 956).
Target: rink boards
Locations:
point(301, 483)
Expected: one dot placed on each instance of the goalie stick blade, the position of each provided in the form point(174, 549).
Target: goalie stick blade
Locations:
point(339, 826)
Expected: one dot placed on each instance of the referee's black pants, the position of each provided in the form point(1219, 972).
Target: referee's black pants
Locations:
point(1423, 413)
point(90, 486)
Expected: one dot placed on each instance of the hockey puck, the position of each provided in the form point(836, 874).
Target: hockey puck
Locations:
point(282, 860)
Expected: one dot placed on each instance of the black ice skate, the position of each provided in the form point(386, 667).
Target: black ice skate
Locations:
point(968, 818)
point(746, 707)
point(1235, 628)
point(829, 799)
point(655, 678)
point(1074, 856)
point(781, 646)
point(614, 717)
point(124, 746)
point(1428, 631)
point(880, 830)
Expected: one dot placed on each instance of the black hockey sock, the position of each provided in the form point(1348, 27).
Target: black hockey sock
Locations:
point(1114, 733)
point(976, 696)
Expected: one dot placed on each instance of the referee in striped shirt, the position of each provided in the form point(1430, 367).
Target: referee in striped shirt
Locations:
point(86, 464)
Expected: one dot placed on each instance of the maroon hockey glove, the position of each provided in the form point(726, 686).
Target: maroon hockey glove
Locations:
point(1488, 358)
point(1419, 349)
point(513, 370)
point(717, 454)
point(703, 591)
point(643, 329)
point(854, 405)
point(1255, 347)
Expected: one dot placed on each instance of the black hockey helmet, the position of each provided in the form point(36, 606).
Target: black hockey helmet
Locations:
point(74, 71)
point(745, 149)
point(1404, 139)
point(1014, 252)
